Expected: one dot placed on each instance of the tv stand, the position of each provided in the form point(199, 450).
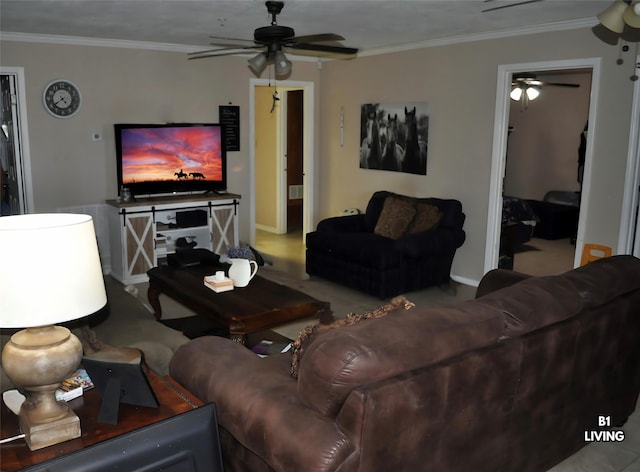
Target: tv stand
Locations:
point(142, 233)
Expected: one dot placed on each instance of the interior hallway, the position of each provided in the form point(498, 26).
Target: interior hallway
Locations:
point(285, 252)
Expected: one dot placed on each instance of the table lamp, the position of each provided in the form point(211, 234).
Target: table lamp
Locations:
point(49, 273)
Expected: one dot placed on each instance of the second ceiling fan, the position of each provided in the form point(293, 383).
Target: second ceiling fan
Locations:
point(273, 39)
point(526, 86)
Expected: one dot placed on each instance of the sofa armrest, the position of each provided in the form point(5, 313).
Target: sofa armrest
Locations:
point(343, 224)
point(257, 403)
point(434, 241)
point(498, 278)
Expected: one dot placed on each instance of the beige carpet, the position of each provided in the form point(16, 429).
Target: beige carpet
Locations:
point(546, 257)
point(343, 300)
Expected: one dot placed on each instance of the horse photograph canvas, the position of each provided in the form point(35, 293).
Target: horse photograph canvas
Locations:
point(394, 137)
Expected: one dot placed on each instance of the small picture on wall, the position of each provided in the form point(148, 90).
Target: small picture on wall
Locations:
point(394, 137)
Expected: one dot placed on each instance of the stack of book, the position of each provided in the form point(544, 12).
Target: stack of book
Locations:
point(218, 284)
point(74, 386)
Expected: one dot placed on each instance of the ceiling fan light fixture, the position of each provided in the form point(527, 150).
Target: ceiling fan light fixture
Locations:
point(613, 17)
point(631, 15)
point(283, 65)
point(516, 93)
point(532, 93)
point(258, 63)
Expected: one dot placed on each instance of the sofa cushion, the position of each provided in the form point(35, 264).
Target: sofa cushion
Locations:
point(365, 249)
point(563, 296)
point(396, 216)
point(522, 315)
point(338, 361)
point(427, 217)
point(602, 280)
point(306, 336)
point(374, 208)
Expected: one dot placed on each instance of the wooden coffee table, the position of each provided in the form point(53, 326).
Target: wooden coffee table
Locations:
point(260, 306)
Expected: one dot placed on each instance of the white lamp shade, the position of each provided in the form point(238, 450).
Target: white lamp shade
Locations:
point(283, 65)
point(49, 269)
point(612, 17)
point(516, 93)
point(532, 93)
point(258, 63)
point(632, 14)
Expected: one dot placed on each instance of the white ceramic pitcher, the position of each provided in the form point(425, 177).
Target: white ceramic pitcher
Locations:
point(241, 272)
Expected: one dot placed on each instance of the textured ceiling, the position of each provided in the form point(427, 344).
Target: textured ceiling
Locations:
point(366, 24)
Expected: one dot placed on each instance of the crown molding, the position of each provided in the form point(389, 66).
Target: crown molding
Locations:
point(467, 38)
point(120, 43)
point(183, 48)
point(98, 42)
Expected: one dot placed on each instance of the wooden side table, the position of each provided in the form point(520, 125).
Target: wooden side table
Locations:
point(172, 397)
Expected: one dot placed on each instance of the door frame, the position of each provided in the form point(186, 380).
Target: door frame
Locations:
point(308, 150)
point(499, 152)
point(23, 157)
point(629, 240)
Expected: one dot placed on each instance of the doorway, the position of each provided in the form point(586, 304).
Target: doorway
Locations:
point(294, 155)
point(499, 161)
point(281, 170)
point(16, 194)
point(629, 241)
point(541, 186)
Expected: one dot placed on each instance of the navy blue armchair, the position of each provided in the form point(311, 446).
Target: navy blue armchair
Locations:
point(350, 250)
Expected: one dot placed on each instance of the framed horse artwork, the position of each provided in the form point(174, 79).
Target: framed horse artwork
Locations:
point(394, 137)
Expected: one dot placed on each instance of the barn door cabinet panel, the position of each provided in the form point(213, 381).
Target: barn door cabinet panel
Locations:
point(142, 233)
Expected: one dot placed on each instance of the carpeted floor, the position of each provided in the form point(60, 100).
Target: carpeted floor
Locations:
point(545, 257)
point(343, 300)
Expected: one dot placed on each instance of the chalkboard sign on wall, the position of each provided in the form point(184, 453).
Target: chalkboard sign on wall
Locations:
point(229, 116)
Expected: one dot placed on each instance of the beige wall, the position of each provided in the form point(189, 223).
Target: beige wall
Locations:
point(459, 83)
point(124, 85)
point(267, 152)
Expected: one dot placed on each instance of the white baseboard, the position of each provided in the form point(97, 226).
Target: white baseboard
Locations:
point(465, 280)
point(268, 229)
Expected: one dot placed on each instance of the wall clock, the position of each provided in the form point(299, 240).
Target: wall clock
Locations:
point(62, 98)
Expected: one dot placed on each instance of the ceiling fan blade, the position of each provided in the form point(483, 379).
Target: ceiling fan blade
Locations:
point(236, 46)
point(528, 82)
point(220, 52)
point(231, 39)
point(561, 84)
point(316, 38)
point(323, 48)
point(510, 5)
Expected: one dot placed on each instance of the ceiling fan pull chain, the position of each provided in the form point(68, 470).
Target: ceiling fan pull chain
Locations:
point(623, 48)
point(636, 66)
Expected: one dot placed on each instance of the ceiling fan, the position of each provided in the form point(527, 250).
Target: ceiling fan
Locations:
point(524, 2)
point(528, 79)
point(527, 87)
point(273, 39)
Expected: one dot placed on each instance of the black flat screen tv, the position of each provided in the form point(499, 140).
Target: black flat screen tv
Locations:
point(165, 159)
point(187, 442)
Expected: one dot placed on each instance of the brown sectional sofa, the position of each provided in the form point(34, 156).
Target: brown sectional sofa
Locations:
point(507, 382)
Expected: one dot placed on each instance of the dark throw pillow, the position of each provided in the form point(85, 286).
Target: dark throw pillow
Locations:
point(427, 217)
point(395, 217)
